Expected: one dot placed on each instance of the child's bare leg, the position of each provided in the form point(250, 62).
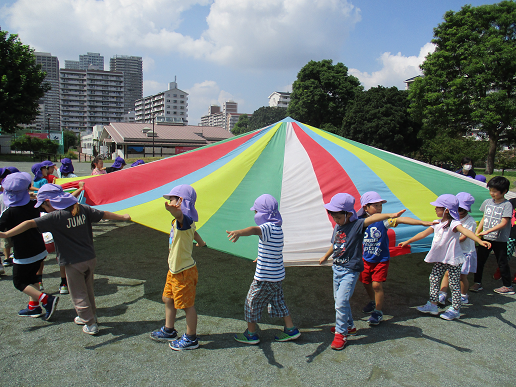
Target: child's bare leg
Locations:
point(378, 294)
point(32, 292)
point(288, 322)
point(445, 283)
point(370, 291)
point(191, 321)
point(464, 284)
point(170, 312)
point(252, 327)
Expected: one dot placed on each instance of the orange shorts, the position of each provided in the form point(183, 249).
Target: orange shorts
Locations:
point(181, 287)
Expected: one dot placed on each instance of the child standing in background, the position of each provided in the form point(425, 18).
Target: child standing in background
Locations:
point(39, 171)
point(97, 166)
point(182, 276)
point(376, 252)
point(468, 248)
point(66, 169)
point(266, 287)
point(346, 250)
point(495, 227)
point(445, 253)
point(50, 171)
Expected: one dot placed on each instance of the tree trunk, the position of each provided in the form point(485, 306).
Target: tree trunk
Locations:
point(493, 141)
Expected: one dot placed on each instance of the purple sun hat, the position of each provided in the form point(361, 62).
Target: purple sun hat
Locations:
point(266, 208)
point(16, 189)
point(450, 202)
point(465, 200)
point(66, 166)
point(189, 196)
point(137, 162)
point(48, 163)
point(36, 170)
point(369, 198)
point(481, 178)
point(119, 163)
point(4, 172)
point(12, 169)
point(342, 202)
point(57, 197)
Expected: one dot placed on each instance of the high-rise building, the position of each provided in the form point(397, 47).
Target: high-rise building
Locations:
point(92, 60)
point(48, 118)
point(90, 97)
point(72, 64)
point(168, 106)
point(132, 68)
point(227, 118)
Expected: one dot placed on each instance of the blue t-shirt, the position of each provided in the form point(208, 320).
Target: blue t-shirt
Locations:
point(376, 243)
point(347, 245)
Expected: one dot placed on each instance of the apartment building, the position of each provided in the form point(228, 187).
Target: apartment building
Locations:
point(169, 106)
point(132, 67)
point(48, 118)
point(90, 97)
point(227, 118)
point(279, 99)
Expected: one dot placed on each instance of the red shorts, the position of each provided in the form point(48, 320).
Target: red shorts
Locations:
point(376, 272)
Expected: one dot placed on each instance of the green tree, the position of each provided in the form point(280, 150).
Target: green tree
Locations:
point(21, 83)
point(70, 139)
point(469, 81)
point(379, 117)
point(266, 115)
point(321, 94)
point(506, 160)
point(241, 125)
point(34, 144)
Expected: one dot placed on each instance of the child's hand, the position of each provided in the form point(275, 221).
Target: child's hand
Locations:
point(81, 184)
point(397, 214)
point(199, 245)
point(256, 260)
point(486, 244)
point(173, 207)
point(483, 233)
point(403, 244)
point(126, 217)
point(430, 224)
point(322, 260)
point(233, 235)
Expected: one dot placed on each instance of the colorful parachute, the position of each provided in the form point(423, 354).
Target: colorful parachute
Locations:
point(301, 166)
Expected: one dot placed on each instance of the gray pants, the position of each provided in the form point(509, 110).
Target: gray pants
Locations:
point(80, 285)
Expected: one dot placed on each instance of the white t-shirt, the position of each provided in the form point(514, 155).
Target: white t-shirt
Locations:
point(269, 266)
point(468, 246)
point(446, 245)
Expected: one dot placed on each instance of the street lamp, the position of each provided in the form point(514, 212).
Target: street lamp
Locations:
point(153, 134)
point(48, 120)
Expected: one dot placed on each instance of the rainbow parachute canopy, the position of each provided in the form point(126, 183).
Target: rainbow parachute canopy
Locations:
point(301, 166)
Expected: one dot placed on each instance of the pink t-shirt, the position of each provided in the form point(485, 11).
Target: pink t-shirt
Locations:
point(446, 245)
point(98, 172)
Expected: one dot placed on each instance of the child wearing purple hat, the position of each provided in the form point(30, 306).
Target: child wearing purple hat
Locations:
point(40, 171)
point(182, 276)
point(50, 171)
point(376, 252)
point(446, 254)
point(270, 272)
point(468, 249)
point(66, 169)
point(117, 165)
point(346, 251)
point(29, 247)
point(70, 225)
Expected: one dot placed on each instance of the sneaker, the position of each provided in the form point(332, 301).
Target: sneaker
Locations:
point(504, 290)
point(376, 318)
point(339, 342)
point(41, 288)
point(497, 275)
point(162, 335)
point(184, 343)
point(287, 335)
point(450, 314)
point(442, 298)
point(352, 331)
point(464, 300)
point(36, 312)
point(429, 308)
point(247, 338)
point(50, 306)
point(8, 262)
point(369, 307)
point(63, 289)
point(80, 321)
point(92, 329)
point(476, 287)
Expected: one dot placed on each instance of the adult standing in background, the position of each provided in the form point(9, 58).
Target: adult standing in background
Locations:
point(466, 168)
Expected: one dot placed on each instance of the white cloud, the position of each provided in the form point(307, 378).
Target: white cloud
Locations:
point(396, 69)
point(148, 64)
point(241, 33)
point(202, 95)
point(153, 87)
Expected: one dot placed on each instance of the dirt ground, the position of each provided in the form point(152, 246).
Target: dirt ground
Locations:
point(406, 349)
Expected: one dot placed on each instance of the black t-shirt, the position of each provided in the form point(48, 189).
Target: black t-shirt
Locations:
point(30, 243)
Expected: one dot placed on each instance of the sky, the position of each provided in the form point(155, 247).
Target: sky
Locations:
point(239, 50)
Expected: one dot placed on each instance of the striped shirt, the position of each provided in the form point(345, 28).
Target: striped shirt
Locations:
point(269, 266)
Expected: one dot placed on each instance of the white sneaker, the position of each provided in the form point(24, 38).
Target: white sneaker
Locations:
point(63, 289)
point(442, 298)
point(429, 308)
point(92, 329)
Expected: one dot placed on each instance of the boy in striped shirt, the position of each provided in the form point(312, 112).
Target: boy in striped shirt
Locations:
point(266, 287)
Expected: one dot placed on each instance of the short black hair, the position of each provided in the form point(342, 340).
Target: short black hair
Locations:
point(466, 160)
point(337, 212)
point(499, 183)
